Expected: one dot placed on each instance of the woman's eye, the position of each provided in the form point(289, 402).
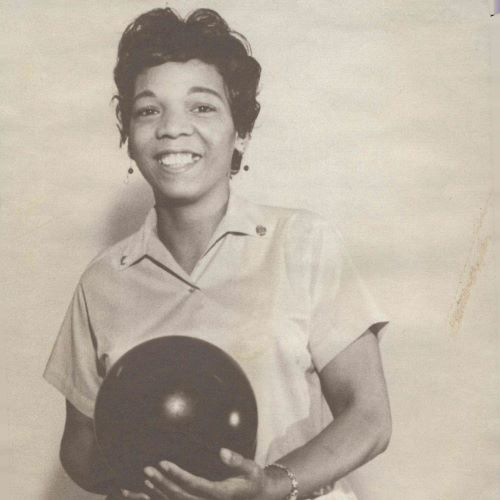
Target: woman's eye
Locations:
point(142, 112)
point(203, 108)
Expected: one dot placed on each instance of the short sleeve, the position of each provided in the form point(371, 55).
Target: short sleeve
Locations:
point(72, 367)
point(342, 308)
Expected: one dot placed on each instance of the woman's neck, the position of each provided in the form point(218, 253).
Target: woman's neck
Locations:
point(186, 229)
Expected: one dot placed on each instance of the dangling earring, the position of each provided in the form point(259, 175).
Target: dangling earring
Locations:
point(130, 171)
point(241, 150)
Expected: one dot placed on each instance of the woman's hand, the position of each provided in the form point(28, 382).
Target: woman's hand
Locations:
point(250, 482)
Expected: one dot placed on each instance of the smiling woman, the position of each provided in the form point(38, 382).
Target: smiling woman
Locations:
point(273, 287)
point(182, 134)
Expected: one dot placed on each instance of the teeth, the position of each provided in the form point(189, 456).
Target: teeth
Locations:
point(178, 158)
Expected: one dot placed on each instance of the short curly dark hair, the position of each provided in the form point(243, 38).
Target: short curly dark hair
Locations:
point(161, 35)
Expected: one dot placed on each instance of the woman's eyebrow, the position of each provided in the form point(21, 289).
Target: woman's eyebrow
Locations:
point(144, 93)
point(205, 90)
point(192, 90)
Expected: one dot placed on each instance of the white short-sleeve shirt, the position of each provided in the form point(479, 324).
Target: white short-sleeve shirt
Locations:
point(275, 289)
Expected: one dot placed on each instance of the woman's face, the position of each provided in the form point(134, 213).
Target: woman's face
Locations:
point(182, 134)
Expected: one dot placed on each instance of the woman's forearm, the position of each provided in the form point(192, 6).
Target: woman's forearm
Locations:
point(354, 387)
point(355, 436)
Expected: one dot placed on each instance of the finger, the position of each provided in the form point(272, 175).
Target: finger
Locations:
point(165, 487)
point(134, 496)
point(193, 484)
point(121, 494)
point(239, 463)
point(156, 494)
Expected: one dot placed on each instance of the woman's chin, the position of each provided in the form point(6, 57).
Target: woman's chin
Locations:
point(189, 193)
point(174, 198)
point(181, 196)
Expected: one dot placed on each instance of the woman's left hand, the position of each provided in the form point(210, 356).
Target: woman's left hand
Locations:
point(250, 482)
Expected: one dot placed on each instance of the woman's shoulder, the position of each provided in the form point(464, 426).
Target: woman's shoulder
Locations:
point(302, 234)
point(111, 259)
point(297, 221)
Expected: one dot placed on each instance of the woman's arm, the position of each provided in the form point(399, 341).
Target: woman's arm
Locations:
point(82, 460)
point(354, 386)
point(80, 455)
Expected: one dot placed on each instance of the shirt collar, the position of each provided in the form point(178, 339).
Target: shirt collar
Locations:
point(242, 218)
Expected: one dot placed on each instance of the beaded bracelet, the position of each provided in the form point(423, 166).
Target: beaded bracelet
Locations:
point(294, 492)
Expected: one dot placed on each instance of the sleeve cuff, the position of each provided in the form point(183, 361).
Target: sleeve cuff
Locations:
point(332, 345)
point(78, 400)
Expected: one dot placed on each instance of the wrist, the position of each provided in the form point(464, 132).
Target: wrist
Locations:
point(281, 483)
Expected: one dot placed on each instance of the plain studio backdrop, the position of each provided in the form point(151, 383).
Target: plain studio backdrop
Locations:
point(374, 114)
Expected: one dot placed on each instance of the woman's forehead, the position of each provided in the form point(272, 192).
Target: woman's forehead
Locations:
point(181, 78)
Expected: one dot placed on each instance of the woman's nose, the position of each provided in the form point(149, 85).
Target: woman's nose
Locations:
point(173, 124)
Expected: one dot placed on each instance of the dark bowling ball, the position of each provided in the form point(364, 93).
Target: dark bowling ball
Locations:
point(174, 398)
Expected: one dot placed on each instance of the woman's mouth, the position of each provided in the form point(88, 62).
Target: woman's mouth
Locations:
point(177, 161)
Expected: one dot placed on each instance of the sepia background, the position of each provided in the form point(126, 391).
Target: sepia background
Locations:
point(375, 114)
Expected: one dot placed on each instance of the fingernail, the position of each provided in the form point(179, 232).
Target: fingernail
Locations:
point(149, 484)
point(226, 454)
point(165, 465)
point(125, 493)
point(149, 471)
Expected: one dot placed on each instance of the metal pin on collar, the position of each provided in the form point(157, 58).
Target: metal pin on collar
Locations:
point(261, 230)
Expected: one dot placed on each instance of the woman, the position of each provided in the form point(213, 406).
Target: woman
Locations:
point(272, 287)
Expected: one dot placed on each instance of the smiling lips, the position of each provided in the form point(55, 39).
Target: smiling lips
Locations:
point(177, 160)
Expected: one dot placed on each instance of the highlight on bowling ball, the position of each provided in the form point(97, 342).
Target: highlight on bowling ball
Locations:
point(174, 398)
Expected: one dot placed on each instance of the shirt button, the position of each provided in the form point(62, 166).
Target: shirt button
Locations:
point(261, 230)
